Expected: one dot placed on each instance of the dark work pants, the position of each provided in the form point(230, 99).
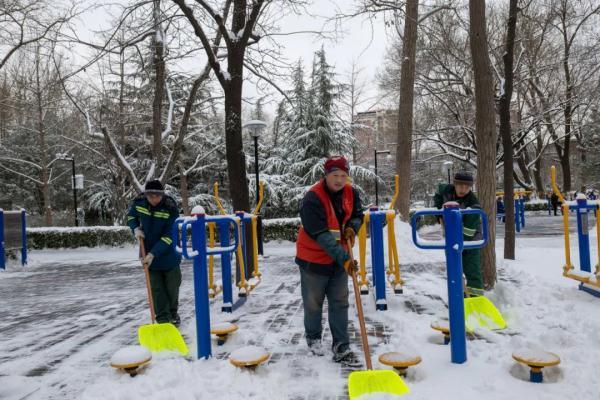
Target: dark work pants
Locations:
point(471, 260)
point(165, 293)
point(315, 288)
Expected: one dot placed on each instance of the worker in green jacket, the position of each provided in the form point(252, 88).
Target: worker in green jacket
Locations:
point(461, 193)
point(151, 218)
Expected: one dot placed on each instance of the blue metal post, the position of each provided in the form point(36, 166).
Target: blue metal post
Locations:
point(536, 376)
point(583, 235)
point(377, 257)
point(226, 268)
point(522, 209)
point(453, 246)
point(453, 249)
point(23, 238)
point(2, 253)
point(517, 216)
point(201, 287)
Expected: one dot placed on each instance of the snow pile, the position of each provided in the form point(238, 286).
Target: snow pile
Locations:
point(248, 354)
point(130, 355)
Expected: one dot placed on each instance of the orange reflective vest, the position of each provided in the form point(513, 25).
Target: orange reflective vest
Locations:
point(308, 249)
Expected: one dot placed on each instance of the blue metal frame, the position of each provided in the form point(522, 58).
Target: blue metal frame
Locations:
point(2, 252)
point(376, 221)
point(199, 256)
point(517, 215)
point(522, 208)
point(243, 221)
point(454, 246)
point(583, 235)
point(23, 239)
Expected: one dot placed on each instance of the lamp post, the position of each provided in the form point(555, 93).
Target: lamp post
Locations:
point(64, 157)
point(256, 127)
point(447, 165)
point(375, 152)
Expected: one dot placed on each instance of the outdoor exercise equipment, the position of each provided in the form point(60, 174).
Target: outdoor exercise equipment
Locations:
point(519, 208)
point(245, 280)
point(376, 219)
point(199, 254)
point(454, 246)
point(536, 360)
point(248, 357)
point(222, 330)
point(588, 281)
point(442, 326)
point(130, 358)
point(399, 361)
point(155, 336)
point(13, 234)
point(370, 381)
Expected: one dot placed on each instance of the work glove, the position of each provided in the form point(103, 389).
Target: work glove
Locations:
point(148, 259)
point(349, 235)
point(138, 233)
point(351, 266)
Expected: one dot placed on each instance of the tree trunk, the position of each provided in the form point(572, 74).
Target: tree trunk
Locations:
point(505, 133)
point(236, 158)
point(485, 126)
point(183, 189)
point(44, 173)
point(159, 88)
point(405, 109)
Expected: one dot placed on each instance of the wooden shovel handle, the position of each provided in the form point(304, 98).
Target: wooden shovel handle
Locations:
point(361, 318)
point(148, 288)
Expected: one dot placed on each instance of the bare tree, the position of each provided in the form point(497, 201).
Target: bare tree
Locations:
point(24, 22)
point(485, 126)
point(505, 132)
point(405, 108)
point(244, 19)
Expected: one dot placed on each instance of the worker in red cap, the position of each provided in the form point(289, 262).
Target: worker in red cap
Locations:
point(331, 215)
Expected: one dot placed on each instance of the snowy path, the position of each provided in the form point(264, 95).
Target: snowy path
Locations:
point(65, 314)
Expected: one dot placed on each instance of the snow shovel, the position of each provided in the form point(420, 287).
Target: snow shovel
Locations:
point(158, 337)
point(366, 382)
point(480, 312)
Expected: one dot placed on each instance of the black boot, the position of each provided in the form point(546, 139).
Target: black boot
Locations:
point(343, 355)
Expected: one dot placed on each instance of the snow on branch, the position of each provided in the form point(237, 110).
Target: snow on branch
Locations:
point(169, 126)
point(123, 163)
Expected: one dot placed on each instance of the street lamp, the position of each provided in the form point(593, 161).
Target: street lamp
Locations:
point(77, 181)
point(375, 152)
point(256, 127)
point(447, 166)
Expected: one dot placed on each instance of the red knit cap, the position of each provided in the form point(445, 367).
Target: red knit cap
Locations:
point(335, 163)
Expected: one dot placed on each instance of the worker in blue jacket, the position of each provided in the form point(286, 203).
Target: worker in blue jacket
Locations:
point(151, 219)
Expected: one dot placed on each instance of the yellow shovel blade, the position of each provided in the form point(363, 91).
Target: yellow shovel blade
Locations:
point(159, 337)
point(361, 383)
point(480, 312)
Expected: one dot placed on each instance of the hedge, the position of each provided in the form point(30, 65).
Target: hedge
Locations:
point(93, 236)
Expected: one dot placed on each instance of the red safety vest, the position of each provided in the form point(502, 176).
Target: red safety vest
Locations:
point(308, 249)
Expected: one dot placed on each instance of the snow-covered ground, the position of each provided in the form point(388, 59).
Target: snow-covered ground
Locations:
point(69, 311)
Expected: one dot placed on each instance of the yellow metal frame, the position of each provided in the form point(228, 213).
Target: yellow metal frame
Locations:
point(213, 289)
point(396, 191)
point(217, 199)
point(261, 192)
point(362, 251)
point(393, 271)
point(568, 264)
point(256, 274)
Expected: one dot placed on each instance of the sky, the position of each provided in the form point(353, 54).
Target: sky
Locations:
point(355, 39)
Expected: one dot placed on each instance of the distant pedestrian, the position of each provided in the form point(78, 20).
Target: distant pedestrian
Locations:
point(554, 200)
